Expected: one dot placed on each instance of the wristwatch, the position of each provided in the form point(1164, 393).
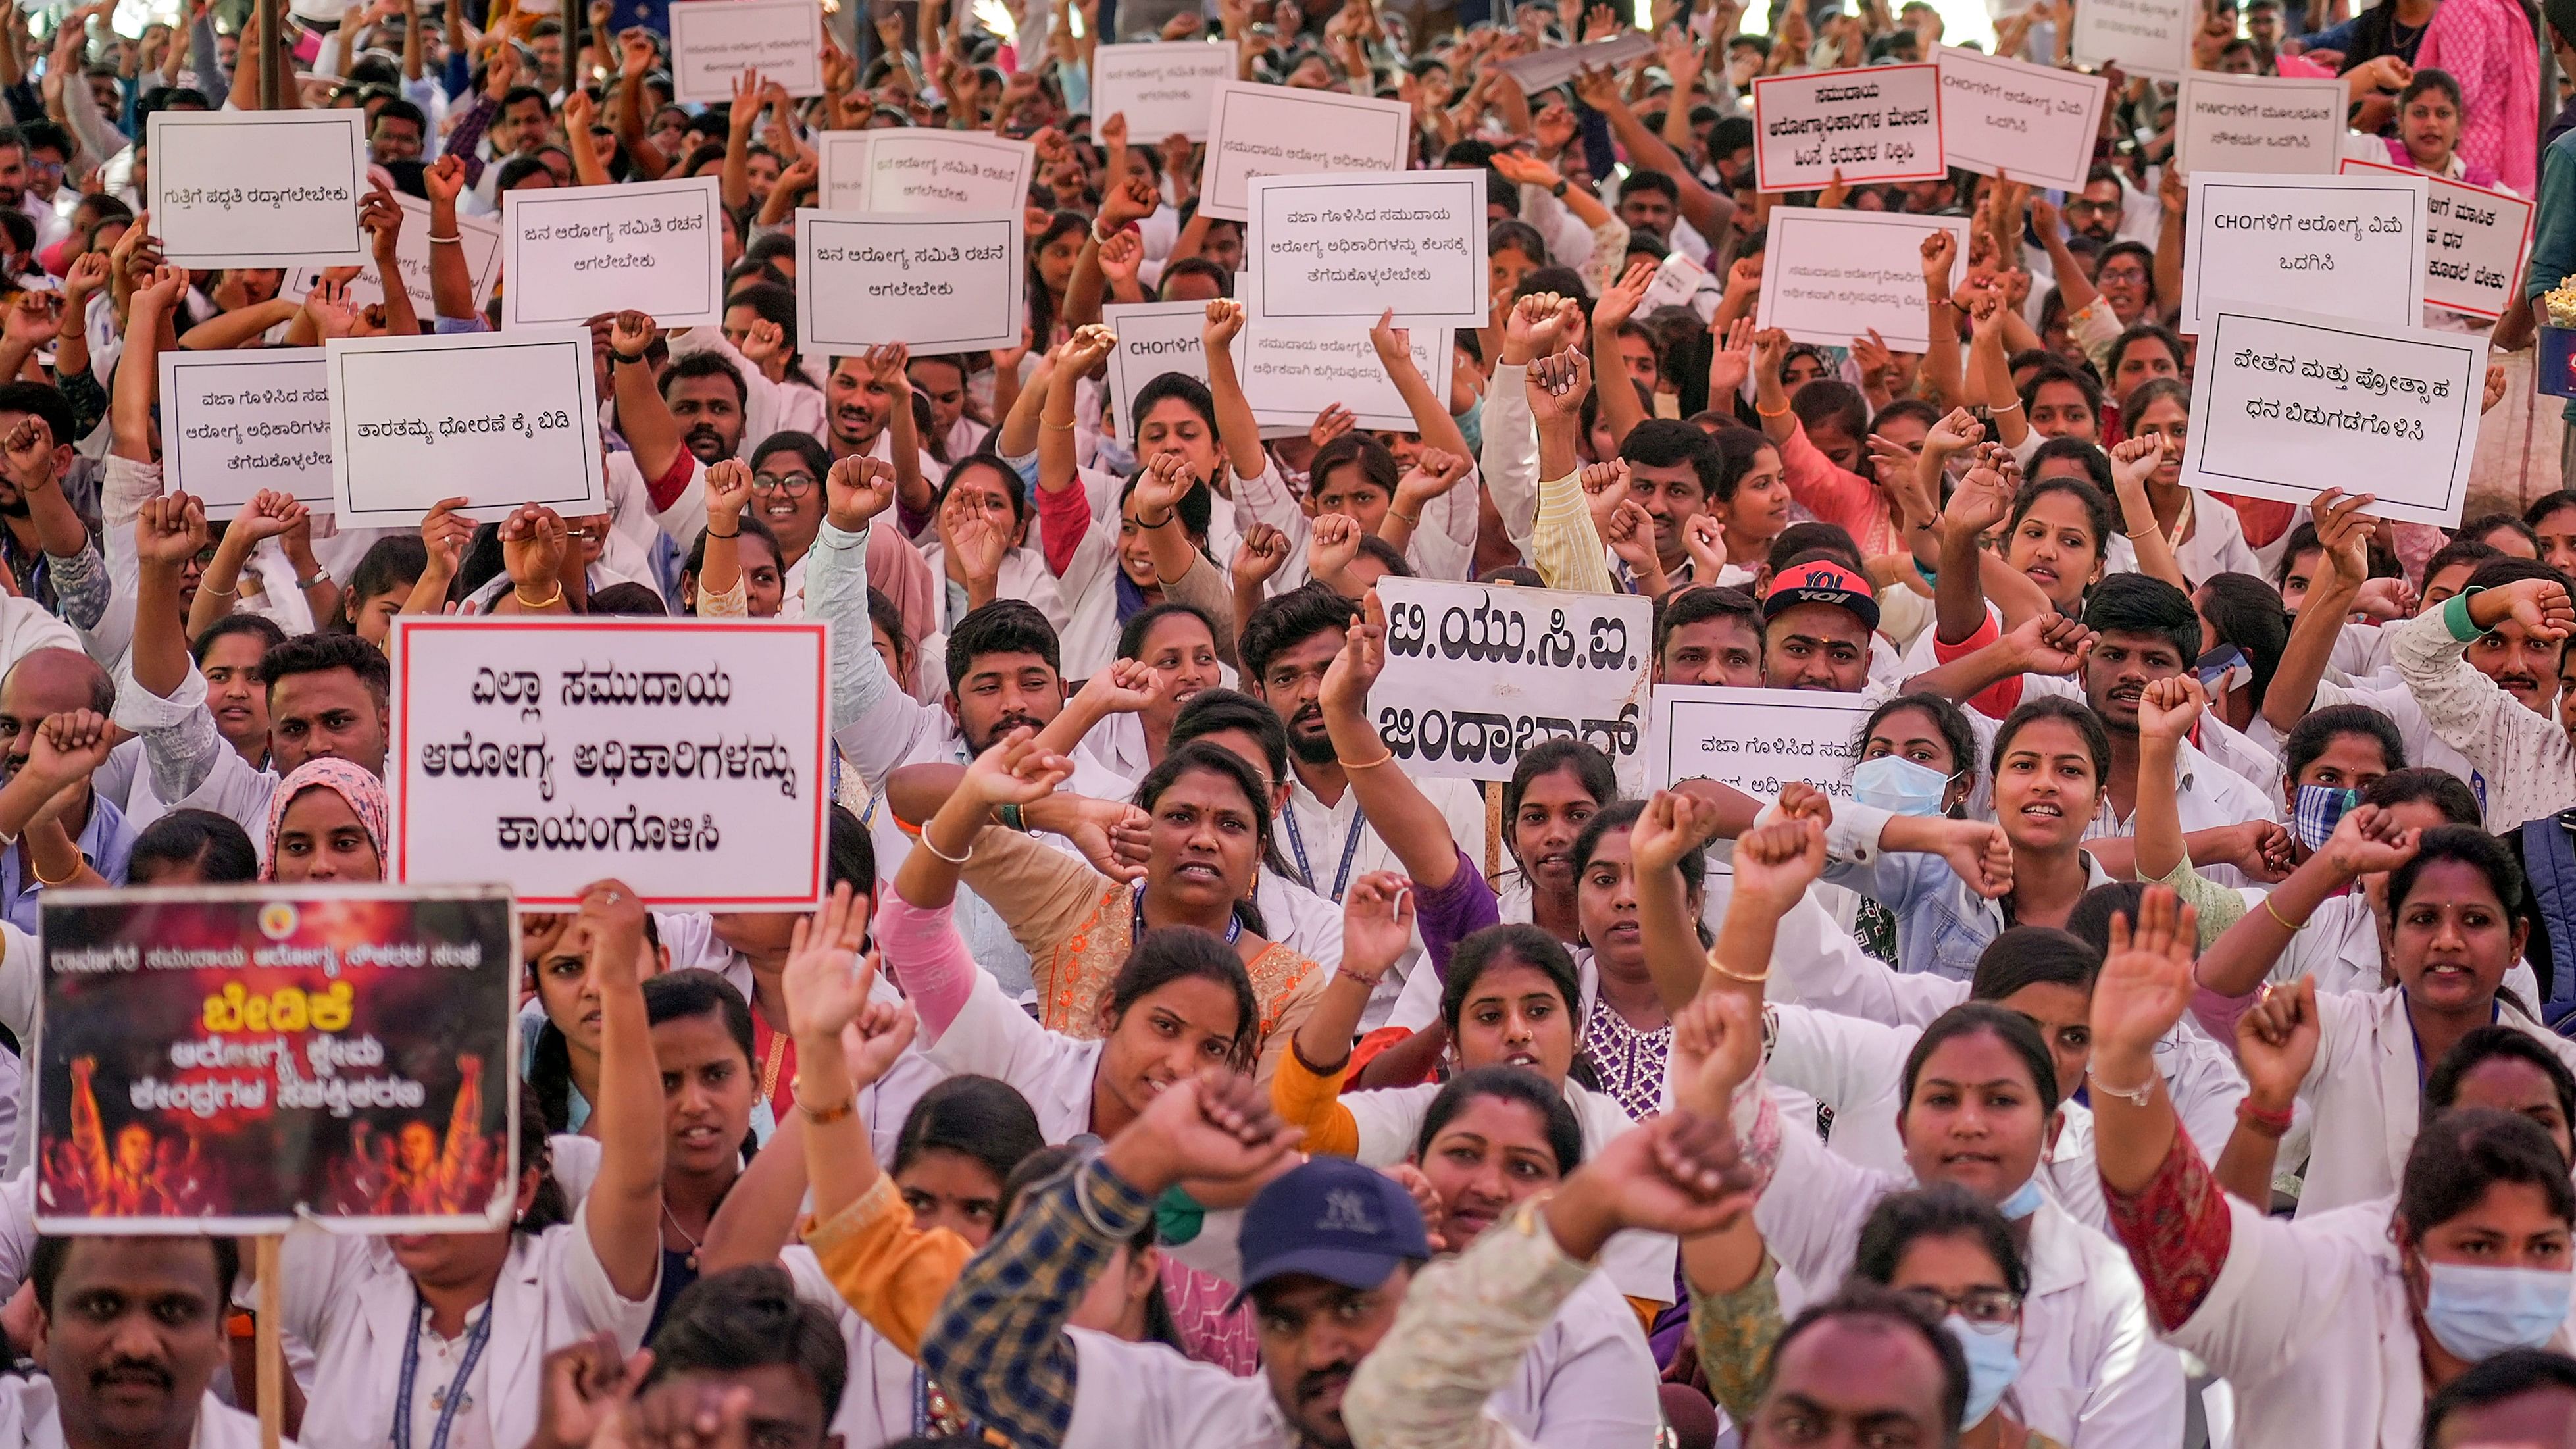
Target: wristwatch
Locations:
point(1558, 190)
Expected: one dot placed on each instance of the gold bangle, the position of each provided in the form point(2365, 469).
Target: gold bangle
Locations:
point(2284, 920)
point(1731, 974)
point(1386, 758)
point(1067, 424)
point(1411, 520)
point(40, 875)
point(521, 594)
point(829, 1115)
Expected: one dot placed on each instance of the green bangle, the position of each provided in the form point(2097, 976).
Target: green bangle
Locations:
point(2455, 617)
point(1013, 818)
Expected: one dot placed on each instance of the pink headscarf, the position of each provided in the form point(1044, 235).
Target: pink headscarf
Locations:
point(364, 792)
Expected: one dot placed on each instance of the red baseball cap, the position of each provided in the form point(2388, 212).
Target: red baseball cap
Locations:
point(1821, 581)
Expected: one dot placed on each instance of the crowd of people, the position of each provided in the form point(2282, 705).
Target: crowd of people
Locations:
point(2150, 1037)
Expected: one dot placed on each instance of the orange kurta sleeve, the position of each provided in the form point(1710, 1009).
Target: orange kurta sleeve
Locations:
point(891, 1272)
point(1313, 1100)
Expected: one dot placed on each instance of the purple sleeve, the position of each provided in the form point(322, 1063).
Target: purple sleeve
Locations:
point(1454, 912)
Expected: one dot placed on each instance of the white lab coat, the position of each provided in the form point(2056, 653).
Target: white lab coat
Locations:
point(992, 1037)
point(2366, 1088)
point(2092, 1372)
point(2309, 1321)
point(29, 1416)
point(353, 1305)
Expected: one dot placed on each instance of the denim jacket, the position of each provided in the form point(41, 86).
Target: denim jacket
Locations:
point(1942, 926)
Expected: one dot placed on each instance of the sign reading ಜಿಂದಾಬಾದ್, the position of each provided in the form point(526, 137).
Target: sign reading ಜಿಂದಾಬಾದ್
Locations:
point(234, 422)
point(685, 757)
point(234, 1059)
point(1477, 675)
point(2286, 404)
point(2347, 246)
point(1878, 123)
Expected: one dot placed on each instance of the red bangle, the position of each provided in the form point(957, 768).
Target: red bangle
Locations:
point(2274, 1125)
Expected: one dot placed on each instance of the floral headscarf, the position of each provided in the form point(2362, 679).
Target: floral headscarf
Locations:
point(364, 792)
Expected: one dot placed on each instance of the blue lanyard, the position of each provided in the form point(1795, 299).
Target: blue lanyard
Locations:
point(1350, 850)
point(480, 1335)
point(1233, 933)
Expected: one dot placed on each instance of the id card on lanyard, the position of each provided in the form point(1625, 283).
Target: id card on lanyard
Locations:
point(1350, 851)
point(454, 1394)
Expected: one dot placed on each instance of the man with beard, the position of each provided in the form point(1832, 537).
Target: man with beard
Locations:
point(868, 404)
point(46, 489)
point(2487, 669)
point(1287, 645)
point(16, 195)
point(2147, 630)
point(707, 399)
point(129, 1331)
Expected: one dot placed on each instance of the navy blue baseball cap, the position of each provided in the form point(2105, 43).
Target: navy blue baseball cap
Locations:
point(1333, 1219)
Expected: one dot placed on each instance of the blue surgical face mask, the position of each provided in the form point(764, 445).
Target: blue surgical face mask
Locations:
point(2477, 1313)
point(2319, 810)
point(1897, 784)
point(1994, 1361)
point(2024, 1201)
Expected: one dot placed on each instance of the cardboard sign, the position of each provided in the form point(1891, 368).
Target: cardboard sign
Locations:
point(713, 41)
point(2033, 123)
point(2287, 404)
point(1556, 64)
point(233, 1059)
point(496, 418)
point(1756, 740)
point(235, 422)
point(917, 169)
point(1477, 675)
point(1880, 123)
point(2149, 38)
point(1153, 338)
point(945, 283)
point(1257, 130)
point(1834, 275)
point(649, 246)
point(2475, 243)
point(684, 757)
point(2260, 124)
point(1292, 373)
point(258, 188)
point(1347, 247)
point(1162, 88)
point(2345, 246)
point(479, 236)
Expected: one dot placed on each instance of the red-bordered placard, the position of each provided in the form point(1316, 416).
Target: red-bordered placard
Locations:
point(1878, 123)
point(689, 758)
point(2442, 213)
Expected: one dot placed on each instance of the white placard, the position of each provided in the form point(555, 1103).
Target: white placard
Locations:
point(913, 168)
point(2149, 38)
point(1557, 64)
point(1162, 88)
point(1257, 130)
point(234, 422)
point(2343, 246)
point(479, 236)
point(2287, 404)
point(2034, 123)
point(1833, 275)
point(1882, 123)
point(259, 188)
point(686, 758)
point(946, 283)
point(2260, 124)
point(1477, 675)
point(1755, 740)
point(713, 41)
point(1292, 373)
point(2475, 242)
point(1153, 338)
point(648, 246)
point(1350, 245)
point(496, 418)
point(1682, 282)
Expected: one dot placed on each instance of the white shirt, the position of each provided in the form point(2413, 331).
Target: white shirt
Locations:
point(1324, 834)
point(2366, 1088)
point(1390, 1121)
point(29, 1416)
point(992, 1037)
point(2310, 1322)
point(2092, 1372)
point(354, 1306)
